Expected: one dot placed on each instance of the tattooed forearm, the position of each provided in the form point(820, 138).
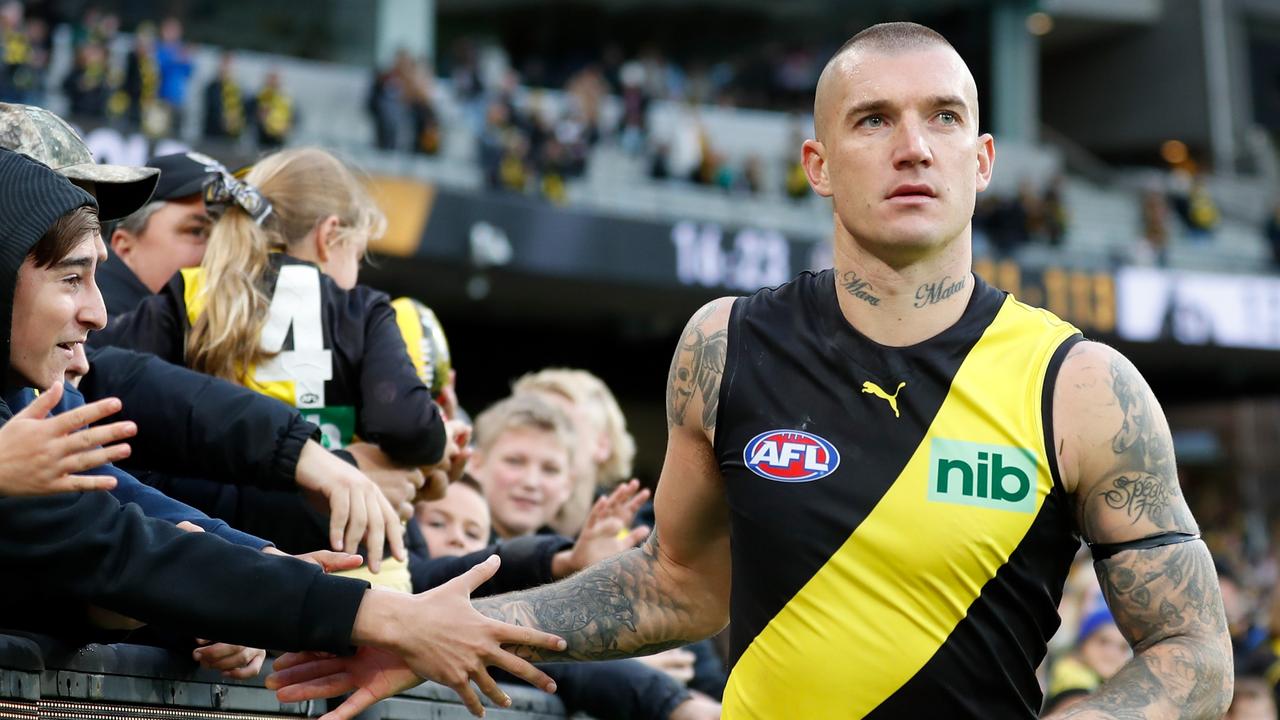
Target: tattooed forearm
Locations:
point(1167, 603)
point(615, 609)
point(696, 370)
point(937, 291)
point(859, 288)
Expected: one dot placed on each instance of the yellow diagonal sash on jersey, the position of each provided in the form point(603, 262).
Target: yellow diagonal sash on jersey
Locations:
point(884, 603)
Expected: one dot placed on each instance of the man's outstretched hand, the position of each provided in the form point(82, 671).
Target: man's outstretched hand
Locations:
point(435, 636)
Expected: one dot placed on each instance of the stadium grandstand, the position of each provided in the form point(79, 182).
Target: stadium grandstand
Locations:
point(564, 184)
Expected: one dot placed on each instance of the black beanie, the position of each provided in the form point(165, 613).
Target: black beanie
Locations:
point(32, 198)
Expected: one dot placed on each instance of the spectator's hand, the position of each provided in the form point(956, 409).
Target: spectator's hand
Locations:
point(454, 462)
point(436, 636)
point(436, 486)
point(605, 534)
point(328, 560)
point(399, 484)
point(357, 508)
point(235, 661)
point(448, 398)
point(41, 455)
point(697, 707)
point(676, 662)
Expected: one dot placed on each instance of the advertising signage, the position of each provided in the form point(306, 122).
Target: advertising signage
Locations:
point(1196, 308)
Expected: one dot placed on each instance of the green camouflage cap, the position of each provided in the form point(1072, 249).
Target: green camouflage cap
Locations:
point(45, 137)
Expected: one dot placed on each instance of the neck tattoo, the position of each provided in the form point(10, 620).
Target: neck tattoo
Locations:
point(859, 288)
point(937, 291)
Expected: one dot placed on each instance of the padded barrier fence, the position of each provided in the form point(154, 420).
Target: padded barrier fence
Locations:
point(43, 678)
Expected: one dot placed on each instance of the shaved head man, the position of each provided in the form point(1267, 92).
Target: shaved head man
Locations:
point(897, 146)
point(905, 458)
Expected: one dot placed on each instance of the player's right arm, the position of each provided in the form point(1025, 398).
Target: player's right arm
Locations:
point(671, 591)
point(675, 588)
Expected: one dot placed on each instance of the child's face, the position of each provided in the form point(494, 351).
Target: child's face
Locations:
point(525, 475)
point(456, 524)
point(1105, 651)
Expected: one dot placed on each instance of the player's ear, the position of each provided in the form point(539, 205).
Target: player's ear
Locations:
point(813, 155)
point(986, 160)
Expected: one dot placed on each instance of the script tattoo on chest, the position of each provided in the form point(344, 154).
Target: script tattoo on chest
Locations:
point(859, 288)
point(937, 291)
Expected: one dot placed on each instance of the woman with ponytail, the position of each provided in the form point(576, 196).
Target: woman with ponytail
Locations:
point(275, 306)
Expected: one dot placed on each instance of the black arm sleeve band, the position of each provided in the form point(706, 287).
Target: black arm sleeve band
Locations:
point(1104, 551)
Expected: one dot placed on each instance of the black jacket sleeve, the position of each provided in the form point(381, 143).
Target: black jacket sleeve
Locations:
point(709, 676)
point(87, 547)
point(397, 411)
point(614, 689)
point(284, 518)
point(526, 563)
point(229, 432)
point(157, 326)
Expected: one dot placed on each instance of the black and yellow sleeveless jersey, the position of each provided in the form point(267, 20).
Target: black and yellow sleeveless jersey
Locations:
point(900, 536)
point(336, 355)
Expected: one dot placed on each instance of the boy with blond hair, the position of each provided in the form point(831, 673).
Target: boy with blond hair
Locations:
point(607, 449)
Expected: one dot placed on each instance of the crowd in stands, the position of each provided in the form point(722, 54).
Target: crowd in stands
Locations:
point(1186, 199)
point(531, 143)
point(401, 103)
point(1005, 224)
point(770, 76)
point(527, 141)
point(142, 82)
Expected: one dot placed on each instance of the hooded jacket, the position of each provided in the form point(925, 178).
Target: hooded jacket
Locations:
point(86, 548)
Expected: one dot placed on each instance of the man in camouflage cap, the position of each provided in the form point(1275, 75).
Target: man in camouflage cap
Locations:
point(45, 137)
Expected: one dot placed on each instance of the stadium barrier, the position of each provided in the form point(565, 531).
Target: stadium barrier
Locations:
point(43, 678)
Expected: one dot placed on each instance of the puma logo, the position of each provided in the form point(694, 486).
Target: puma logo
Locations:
point(874, 389)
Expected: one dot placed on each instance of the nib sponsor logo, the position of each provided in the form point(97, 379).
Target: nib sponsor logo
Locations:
point(790, 456)
point(999, 477)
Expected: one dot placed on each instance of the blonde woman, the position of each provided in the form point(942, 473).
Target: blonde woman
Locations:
point(275, 306)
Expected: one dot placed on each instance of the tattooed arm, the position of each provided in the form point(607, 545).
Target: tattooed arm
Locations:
point(674, 589)
point(664, 594)
point(1115, 454)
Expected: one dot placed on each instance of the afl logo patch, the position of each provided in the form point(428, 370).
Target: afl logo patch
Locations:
point(790, 456)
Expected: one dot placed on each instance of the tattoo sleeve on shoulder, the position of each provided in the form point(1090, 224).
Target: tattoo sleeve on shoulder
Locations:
point(696, 370)
point(1143, 484)
point(611, 610)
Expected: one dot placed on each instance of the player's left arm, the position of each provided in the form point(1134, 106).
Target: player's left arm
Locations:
point(1116, 458)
